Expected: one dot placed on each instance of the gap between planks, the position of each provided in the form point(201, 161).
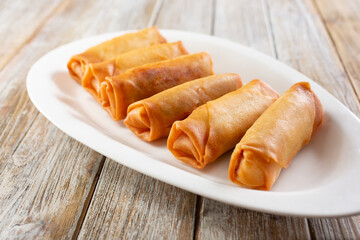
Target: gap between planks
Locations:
point(24, 133)
point(269, 27)
point(88, 200)
point(17, 143)
point(310, 233)
point(198, 206)
point(213, 16)
point(155, 13)
point(316, 6)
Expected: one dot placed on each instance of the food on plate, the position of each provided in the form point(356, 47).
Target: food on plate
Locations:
point(217, 126)
point(95, 73)
point(117, 93)
point(151, 118)
point(275, 138)
point(111, 48)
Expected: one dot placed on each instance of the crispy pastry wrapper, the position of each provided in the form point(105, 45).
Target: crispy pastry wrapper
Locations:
point(217, 126)
point(275, 138)
point(151, 118)
point(111, 48)
point(117, 93)
point(95, 73)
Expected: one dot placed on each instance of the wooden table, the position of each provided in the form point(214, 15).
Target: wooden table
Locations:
point(52, 187)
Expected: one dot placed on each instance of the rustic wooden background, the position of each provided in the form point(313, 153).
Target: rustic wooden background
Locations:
point(52, 187)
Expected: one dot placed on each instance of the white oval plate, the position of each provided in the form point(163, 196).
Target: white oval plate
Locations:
point(322, 180)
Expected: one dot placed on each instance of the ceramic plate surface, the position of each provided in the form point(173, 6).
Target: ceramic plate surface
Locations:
point(322, 180)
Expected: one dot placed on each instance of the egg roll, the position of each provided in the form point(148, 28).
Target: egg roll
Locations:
point(151, 118)
point(95, 73)
point(218, 125)
point(117, 93)
point(111, 48)
point(275, 138)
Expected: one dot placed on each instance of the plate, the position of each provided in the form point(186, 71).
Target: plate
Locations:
point(322, 180)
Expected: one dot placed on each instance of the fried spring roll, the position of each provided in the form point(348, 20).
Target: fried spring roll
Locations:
point(275, 138)
point(111, 48)
point(95, 73)
point(217, 126)
point(117, 93)
point(151, 118)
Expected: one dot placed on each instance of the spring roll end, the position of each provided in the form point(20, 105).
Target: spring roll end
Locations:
point(253, 171)
point(138, 122)
point(108, 95)
point(181, 146)
point(75, 67)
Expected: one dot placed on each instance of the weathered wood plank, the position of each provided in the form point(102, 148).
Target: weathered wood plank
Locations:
point(303, 43)
point(16, 110)
point(221, 221)
point(45, 181)
point(308, 48)
point(195, 16)
point(342, 21)
point(127, 204)
point(45, 184)
point(15, 29)
point(46, 178)
point(245, 22)
point(336, 228)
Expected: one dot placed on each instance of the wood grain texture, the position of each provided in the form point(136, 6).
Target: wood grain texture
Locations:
point(308, 48)
point(245, 22)
point(195, 16)
point(49, 187)
point(303, 43)
point(99, 17)
point(342, 21)
point(127, 204)
point(17, 112)
point(336, 228)
point(52, 166)
point(14, 28)
point(45, 184)
point(221, 221)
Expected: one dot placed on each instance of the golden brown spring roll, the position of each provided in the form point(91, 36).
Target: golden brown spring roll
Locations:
point(275, 138)
point(95, 73)
point(151, 118)
point(111, 48)
point(117, 93)
point(217, 126)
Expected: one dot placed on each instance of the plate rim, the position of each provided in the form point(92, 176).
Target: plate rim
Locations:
point(155, 174)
